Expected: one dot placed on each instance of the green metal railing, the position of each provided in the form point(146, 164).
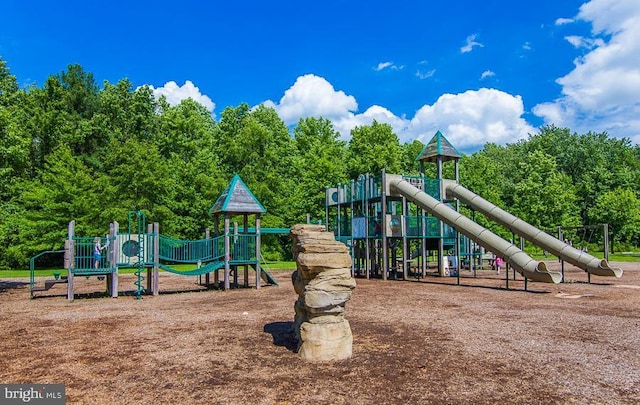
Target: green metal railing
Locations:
point(191, 251)
point(84, 262)
point(242, 248)
point(429, 186)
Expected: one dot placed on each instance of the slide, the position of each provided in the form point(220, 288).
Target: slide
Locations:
point(519, 260)
point(585, 261)
point(268, 278)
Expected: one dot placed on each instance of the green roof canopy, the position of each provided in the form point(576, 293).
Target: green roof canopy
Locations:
point(237, 199)
point(438, 146)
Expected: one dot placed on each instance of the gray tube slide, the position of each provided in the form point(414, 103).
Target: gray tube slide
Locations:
point(585, 261)
point(519, 260)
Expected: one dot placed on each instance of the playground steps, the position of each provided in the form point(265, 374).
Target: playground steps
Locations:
point(50, 283)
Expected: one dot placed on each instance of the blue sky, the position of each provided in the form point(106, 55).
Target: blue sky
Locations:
point(489, 71)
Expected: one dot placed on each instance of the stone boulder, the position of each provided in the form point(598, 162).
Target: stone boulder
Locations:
point(323, 283)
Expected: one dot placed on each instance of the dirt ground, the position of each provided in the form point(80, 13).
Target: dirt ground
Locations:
point(414, 342)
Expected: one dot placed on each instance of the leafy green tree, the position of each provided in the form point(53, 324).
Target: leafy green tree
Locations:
point(319, 164)
point(595, 162)
point(410, 151)
point(620, 208)
point(257, 145)
point(140, 179)
point(185, 129)
point(185, 140)
point(226, 144)
point(66, 191)
point(125, 113)
point(544, 197)
point(482, 172)
point(8, 84)
point(373, 148)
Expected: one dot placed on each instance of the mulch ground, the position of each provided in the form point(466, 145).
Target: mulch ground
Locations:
point(427, 341)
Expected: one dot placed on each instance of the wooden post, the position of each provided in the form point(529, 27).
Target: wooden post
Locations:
point(227, 252)
point(383, 227)
point(561, 261)
point(72, 259)
point(457, 244)
point(258, 254)
point(606, 241)
point(115, 254)
point(246, 264)
point(146, 254)
point(156, 258)
point(441, 258)
point(367, 211)
point(352, 215)
point(207, 236)
point(405, 229)
point(112, 262)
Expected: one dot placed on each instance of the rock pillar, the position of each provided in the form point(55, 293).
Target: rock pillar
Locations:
point(323, 283)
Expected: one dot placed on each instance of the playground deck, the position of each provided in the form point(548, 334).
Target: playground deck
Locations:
point(414, 342)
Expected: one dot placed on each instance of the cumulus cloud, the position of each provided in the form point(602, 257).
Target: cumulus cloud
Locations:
point(347, 122)
point(563, 21)
point(601, 92)
point(313, 96)
point(175, 94)
point(471, 119)
point(487, 73)
point(526, 46)
point(468, 119)
point(470, 43)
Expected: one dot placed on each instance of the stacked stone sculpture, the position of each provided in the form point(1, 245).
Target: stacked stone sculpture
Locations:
point(323, 283)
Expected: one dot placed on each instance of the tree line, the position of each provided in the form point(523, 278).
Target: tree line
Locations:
point(74, 150)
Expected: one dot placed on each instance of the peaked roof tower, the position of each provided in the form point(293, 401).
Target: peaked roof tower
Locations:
point(438, 146)
point(238, 199)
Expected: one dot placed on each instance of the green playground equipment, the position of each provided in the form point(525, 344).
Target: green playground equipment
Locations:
point(393, 223)
point(137, 248)
point(224, 249)
point(388, 237)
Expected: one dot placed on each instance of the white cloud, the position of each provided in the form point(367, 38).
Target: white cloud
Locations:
point(468, 119)
point(313, 96)
point(563, 21)
point(601, 92)
point(582, 42)
point(420, 74)
point(471, 119)
point(387, 65)
point(382, 66)
point(175, 94)
point(487, 73)
point(470, 43)
point(346, 123)
point(526, 46)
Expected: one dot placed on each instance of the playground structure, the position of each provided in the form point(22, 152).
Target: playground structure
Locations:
point(391, 223)
point(142, 247)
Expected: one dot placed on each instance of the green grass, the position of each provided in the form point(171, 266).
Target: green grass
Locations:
point(269, 266)
point(278, 265)
point(618, 257)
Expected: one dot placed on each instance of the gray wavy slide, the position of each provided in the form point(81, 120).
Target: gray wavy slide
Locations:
point(519, 260)
point(578, 258)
